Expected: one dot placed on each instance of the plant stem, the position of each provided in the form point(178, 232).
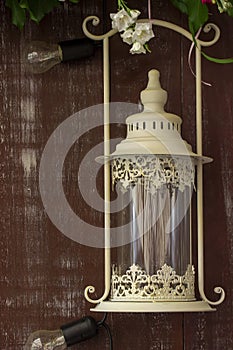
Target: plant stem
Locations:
point(122, 5)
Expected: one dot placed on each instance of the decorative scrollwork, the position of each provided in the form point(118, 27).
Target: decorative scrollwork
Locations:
point(207, 28)
point(165, 285)
point(91, 290)
point(210, 26)
point(95, 21)
point(217, 290)
point(155, 171)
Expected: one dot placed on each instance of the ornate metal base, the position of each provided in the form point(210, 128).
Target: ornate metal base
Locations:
point(179, 306)
point(165, 285)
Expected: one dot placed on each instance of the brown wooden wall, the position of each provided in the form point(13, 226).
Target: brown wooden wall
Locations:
point(43, 273)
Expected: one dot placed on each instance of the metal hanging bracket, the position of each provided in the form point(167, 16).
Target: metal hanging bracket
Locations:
point(180, 306)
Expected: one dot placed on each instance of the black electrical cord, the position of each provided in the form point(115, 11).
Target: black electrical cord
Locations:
point(102, 323)
point(106, 326)
point(99, 323)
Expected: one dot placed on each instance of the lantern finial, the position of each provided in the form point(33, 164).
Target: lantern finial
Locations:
point(154, 97)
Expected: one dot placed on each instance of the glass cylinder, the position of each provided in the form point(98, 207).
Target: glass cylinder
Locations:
point(158, 190)
point(160, 229)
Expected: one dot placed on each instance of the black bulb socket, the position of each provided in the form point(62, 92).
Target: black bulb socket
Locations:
point(78, 331)
point(77, 49)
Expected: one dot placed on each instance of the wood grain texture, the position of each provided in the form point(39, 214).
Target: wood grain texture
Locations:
point(43, 273)
point(214, 331)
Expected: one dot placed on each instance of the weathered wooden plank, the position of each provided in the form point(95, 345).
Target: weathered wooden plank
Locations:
point(214, 331)
point(42, 271)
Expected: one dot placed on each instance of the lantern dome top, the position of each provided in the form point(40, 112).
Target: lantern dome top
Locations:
point(154, 131)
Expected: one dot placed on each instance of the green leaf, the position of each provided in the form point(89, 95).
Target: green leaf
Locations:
point(196, 11)
point(230, 8)
point(225, 6)
point(198, 15)
point(218, 60)
point(181, 5)
point(146, 46)
point(230, 12)
point(39, 8)
point(17, 12)
point(23, 4)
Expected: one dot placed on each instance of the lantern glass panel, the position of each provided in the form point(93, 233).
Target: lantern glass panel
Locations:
point(157, 263)
point(158, 190)
point(160, 231)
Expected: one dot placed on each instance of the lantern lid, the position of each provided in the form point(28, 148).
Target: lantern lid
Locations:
point(154, 131)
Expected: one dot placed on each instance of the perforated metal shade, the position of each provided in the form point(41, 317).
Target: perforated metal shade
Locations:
point(155, 131)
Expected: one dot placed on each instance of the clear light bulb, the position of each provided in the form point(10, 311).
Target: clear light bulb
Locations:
point(46, 340)
point(40, 56)
point(69, 334)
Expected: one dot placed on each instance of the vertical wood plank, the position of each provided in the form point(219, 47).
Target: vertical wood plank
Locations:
point(213, 331)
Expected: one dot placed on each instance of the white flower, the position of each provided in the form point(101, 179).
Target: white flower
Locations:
point(143, 33)
point(137, 48)
point(127, 36)
point(134, 14)
point(121, 20)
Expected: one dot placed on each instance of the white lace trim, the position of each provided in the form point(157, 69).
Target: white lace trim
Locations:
point(166, 285)
point(153, 171)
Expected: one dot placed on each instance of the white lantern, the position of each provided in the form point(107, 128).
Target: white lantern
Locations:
point(154, 168)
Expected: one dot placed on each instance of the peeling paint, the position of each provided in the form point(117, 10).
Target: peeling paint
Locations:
point(29, 161)
point(28, 109)
point(227, 184)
